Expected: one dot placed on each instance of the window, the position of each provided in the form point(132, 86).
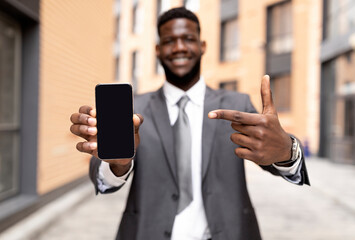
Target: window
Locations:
point(279, 53)
point(345, 92)
point(159, 70)
point(281, 91)
point(349, 118)
point(117, 10)
point(229, 42)
point(339, 17)
point(338, 108)
point(192, 5)
point(10, 36)
point(137, 16)
point(135, 69)
point(117, 68)
point(280, 28)
point(162, 6)
point(117, 27)
point(228, 85)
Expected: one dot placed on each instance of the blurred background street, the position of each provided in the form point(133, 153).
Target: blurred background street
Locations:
point(324, 211)
point(53, 53)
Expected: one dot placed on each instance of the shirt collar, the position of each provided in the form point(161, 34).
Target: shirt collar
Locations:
point(196, 93)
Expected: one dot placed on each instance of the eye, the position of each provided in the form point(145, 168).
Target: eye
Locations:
point(190, 39)
point(167, 41)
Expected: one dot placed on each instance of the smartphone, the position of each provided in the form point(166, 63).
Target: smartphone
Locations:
point(114, 114)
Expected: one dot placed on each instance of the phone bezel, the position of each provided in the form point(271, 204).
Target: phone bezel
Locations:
point(134, 147)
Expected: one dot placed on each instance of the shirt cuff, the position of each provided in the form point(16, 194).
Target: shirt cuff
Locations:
point(292, 169)
point(109, 179)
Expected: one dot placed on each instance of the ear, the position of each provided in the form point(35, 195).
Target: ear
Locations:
point(157, 50)
point(203, 47)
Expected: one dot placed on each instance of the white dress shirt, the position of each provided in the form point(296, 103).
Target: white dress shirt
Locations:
point(191, 223)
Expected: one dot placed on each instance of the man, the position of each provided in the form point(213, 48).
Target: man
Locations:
point(214, 203)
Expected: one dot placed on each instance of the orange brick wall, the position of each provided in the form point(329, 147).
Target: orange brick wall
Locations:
point(76, 53)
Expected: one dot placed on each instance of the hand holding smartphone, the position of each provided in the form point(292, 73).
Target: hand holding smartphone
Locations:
point(114, 114)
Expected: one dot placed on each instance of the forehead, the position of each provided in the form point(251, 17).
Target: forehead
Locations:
point(178, 26)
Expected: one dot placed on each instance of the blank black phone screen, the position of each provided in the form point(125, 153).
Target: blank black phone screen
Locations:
point(114, 113)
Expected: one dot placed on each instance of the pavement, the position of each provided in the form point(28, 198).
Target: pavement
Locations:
point(324, 211)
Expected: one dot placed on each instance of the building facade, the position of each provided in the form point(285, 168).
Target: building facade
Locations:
point(52, 54)
point(338, 81)
point(245, 40)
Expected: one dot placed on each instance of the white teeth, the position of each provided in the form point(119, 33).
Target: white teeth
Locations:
point(180, 60)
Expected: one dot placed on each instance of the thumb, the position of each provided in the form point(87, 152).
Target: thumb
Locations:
point(266, 96)
point(137, 121)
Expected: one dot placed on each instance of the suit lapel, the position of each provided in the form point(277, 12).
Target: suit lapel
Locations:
point(212, 102)
point(162, 124)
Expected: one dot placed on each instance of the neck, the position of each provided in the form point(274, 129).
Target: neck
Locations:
point(185, 85)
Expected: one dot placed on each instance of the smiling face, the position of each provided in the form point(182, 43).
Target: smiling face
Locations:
point(180, 51)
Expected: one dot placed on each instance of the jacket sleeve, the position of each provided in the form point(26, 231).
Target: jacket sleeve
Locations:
point(93, 174)
point(299, 178)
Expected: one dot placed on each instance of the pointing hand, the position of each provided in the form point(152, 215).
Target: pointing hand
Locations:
point(261, 137)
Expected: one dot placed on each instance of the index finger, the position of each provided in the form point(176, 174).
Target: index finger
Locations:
point(88, 110)
point(235, 116)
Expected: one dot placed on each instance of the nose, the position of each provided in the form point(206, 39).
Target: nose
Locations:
point(179, 46)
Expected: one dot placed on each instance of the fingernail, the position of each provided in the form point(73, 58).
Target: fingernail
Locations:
point(91, 130)
point(91, 120)
point(136, 117)
point(212, 115)
point(93, 145)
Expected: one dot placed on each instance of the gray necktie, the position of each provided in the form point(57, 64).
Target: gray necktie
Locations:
point(182, 137)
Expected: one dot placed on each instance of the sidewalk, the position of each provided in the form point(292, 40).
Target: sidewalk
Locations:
point(326, 210)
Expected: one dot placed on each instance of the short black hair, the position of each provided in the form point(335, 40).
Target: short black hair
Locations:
point(180, 12)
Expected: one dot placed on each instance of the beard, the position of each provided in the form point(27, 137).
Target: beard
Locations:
point(181, 80)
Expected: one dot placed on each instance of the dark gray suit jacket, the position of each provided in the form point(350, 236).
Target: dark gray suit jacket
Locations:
point(152, 201)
